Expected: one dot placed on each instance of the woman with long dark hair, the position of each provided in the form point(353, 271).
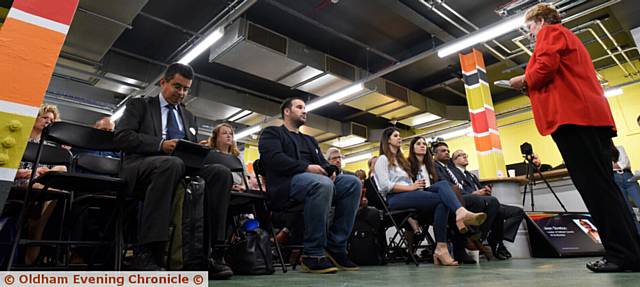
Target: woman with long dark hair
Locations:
point(394, 178)
point(421, 160)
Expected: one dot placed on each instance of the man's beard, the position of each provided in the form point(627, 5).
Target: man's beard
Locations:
point(299, 122)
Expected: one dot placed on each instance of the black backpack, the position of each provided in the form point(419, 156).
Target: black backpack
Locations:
point(251, 255)
point(186, 247)
point(367, 243)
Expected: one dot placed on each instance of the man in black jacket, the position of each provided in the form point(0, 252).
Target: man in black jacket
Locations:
point(296, 171)
point(148, 133)
point(506, 224)
point(472, 201)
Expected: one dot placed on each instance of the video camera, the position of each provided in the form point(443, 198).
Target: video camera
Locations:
point(526, 149)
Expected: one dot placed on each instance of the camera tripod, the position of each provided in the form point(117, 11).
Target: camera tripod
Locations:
point(531, 181)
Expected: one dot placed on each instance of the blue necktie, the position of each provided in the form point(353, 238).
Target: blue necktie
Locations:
point(173, 129)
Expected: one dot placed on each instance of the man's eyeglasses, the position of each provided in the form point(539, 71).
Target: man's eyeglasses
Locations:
point(336, 157)
point(464, 155)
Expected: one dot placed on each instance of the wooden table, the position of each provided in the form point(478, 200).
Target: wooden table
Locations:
point(550, 174)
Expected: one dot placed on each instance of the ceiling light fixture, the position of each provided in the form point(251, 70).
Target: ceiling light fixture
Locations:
point(347, 141)
point(323, 101)
point(503, 27)
point(239, 115)
point(423, 118)
point(247, 132)
point(202, 46)
point(612, 92)
point(350, 159)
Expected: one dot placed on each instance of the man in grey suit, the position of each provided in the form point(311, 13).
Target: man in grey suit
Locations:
point(148, 132)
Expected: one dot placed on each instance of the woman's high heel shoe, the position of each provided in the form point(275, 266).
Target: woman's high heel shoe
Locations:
point(461, 227)
point(474, 219)
point(444, 259)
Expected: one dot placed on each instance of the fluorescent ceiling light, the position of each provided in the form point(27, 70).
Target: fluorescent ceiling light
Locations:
point(355, 158)
point(424, 118)
point(482, 35)
point(247, 132)
point(612, 92)
point(202, 46)
point(347, 141)
point(240, 115)
point(456, 133)
point(118, 113)
point(334, 97)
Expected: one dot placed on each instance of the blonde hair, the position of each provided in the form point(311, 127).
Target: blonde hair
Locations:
point(46, 108)
point(543, 11)
point(213, 139)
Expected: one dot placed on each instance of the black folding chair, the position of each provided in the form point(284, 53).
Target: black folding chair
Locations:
point(250, 201)
point(295, 208)
point(35, 154)
point(84, 185)
point(378, 201)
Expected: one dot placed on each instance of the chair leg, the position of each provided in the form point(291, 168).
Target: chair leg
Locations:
point(275, 242)
point(118, 236)
point(20, 223)
point(403, 239)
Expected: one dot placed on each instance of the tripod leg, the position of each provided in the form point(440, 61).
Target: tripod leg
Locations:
point(551, 189)
point(524, 195)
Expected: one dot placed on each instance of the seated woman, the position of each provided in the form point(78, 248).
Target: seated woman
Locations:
point(222, 140)
point(393, 175)
point(39, 212)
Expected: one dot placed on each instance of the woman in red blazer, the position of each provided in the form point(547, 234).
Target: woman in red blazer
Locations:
point(568, 103)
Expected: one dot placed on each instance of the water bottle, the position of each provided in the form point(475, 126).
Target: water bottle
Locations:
point(250, 225)
point(420, 176)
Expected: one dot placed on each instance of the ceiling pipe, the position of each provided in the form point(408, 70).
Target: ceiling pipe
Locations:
point(615, 43)
point(330, 30)
point(519, 38)
point(226, 11)
point(454, 23)
point(626, 73)
point(226, 19)
point(617, 53)
point(119, 23)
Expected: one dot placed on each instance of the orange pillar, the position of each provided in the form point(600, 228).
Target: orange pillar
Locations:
point(482, 115)
point(30, 40)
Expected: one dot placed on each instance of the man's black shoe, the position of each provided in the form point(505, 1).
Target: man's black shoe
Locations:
point(498, 252)
point(342, 261)
point(604, 266)
point(465, 259)
point(145, 260)
point(316, 264)
point(504, 251)
point(219, 271)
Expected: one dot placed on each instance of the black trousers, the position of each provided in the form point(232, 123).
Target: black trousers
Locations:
point(487, 204)
point(506, 224)
point(587, 155)
point(156, 182)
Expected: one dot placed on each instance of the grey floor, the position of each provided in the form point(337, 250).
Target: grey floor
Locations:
point(518, 272)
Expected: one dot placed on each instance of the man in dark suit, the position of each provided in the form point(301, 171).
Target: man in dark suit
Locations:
point(334, 156)
point(472, 201)
point(148, 133)
point(296, 171)
point(508, 219)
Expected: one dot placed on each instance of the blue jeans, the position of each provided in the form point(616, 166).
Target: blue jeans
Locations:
point(630, 191)
point(319, 193)
point(438, 198)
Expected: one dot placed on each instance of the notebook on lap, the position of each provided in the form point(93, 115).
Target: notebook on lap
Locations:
point(192, 154)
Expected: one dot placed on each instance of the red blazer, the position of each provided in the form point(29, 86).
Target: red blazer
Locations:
point(562, 83)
